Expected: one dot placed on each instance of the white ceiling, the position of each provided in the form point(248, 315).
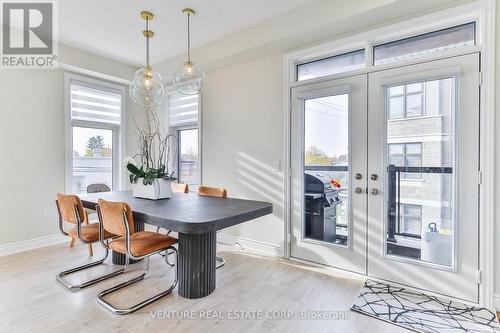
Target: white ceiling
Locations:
point(113, 28)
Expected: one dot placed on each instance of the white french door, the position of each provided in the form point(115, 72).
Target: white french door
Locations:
point(423, 145)
point(329, 163)
point(397, 153)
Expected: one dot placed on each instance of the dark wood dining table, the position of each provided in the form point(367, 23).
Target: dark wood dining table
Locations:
point(196, 219)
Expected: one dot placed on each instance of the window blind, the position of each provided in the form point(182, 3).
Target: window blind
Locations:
point(182, 109)
point(94, 104)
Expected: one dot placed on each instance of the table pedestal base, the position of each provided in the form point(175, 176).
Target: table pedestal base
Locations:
point(197, 264)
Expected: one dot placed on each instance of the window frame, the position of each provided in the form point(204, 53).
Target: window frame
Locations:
point(179, 143)
point(360, 50)
point(174, 130)
point(369, 41)
point(473, 13)
point(118, 130)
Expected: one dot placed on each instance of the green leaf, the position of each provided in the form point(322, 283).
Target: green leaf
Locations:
point(133, 169)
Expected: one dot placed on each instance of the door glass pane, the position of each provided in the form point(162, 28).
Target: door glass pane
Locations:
point(420, 168)
point(188, 157)
point(92, 158)
point(332, 65)
point(326, 166)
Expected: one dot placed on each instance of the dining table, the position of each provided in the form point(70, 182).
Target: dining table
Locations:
point(196, 219)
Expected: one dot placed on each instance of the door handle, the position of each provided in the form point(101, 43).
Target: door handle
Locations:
point(358, 176)
point(374, 191)
point(358, 190)
point(374, 176)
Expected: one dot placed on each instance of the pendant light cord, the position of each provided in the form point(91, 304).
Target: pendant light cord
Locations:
point(147, 43)
point(188, 38)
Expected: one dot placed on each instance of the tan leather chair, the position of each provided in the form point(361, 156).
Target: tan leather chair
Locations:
point(92, 188)
point(180, 188)
point(71, 210)
point(117, 218)
point(214, 192)
point(74, 237)
point(176, 188)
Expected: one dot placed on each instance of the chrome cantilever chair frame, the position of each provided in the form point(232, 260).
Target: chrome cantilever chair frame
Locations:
point(128, 254)
point(61, 276)
point(220, 261)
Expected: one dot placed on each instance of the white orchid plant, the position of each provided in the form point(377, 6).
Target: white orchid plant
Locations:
point(154, 152)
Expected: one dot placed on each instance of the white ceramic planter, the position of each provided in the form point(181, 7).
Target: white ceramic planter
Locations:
point(160, 189)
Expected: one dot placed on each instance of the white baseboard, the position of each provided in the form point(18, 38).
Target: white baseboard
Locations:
point(31, 244)
point(266, 248)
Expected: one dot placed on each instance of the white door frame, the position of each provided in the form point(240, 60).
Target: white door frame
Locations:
point(346, 257)
point(483, 12)
point(463, 70)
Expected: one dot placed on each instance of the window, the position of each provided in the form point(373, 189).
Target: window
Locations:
point(406, 155)
point(411, 219)
point(183, 113)
point(406, 101)
point(95, 114)
point(188, 156)
point(333, 65)
point(434, 42)
point(307, 66)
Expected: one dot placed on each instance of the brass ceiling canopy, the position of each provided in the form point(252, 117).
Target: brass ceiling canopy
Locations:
point(145, 15)
point(188, 11)
point(147, 86)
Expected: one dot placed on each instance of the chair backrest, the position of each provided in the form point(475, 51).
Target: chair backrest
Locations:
point(66, 206)
point(212, 191)
point(112, 217)
point(98, 188)
point(180, 188)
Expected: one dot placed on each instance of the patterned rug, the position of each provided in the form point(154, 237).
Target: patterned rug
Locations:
point(420, 312)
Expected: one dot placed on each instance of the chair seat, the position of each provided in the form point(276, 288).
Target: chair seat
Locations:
point(143, 243)
point(90, 232)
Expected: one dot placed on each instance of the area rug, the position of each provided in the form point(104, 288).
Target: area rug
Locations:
point(420, 312)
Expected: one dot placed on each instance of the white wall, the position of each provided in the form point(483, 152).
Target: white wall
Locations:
point(242, 136)
point(32, 162)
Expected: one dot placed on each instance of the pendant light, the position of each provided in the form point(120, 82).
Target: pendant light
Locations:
point(188, 79)
point(147, 86)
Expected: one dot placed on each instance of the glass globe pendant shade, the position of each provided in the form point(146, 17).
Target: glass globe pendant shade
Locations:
point(147, 87)
point(187, 80)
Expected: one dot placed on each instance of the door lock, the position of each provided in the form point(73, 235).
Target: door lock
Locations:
point(374, 176)
point(374, 191)
point(358, 176)
point(358, 190)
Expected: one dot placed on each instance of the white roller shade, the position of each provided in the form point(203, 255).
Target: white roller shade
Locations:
point(182, 109)
point(95, 104)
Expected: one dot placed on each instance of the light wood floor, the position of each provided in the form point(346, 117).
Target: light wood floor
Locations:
point(32, 301)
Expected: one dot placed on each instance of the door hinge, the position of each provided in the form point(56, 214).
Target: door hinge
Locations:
point(480, 78)
point(290, 172)
point(479, 277)
point(480, 178)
